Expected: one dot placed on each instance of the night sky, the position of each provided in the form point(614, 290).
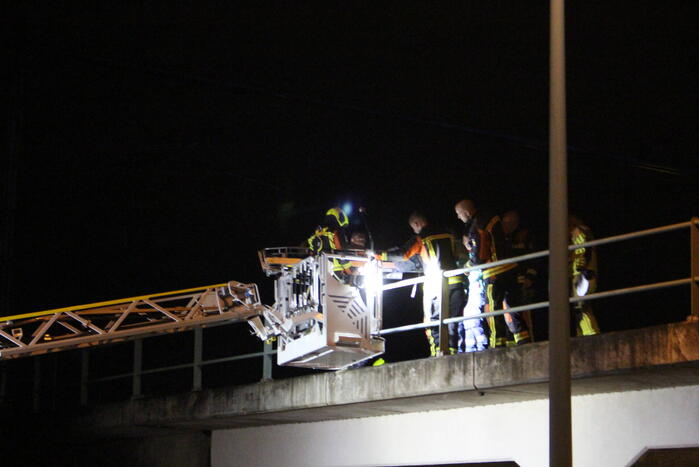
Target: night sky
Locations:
point(149, 149)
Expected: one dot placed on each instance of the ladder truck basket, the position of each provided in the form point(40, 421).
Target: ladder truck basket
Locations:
point(273, 260)
point(324, 320)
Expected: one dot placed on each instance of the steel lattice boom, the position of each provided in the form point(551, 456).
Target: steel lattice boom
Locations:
point(128, 318)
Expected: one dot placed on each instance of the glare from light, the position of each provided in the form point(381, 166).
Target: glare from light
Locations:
point(373, 282)
point(347, 208)
point(433, 278)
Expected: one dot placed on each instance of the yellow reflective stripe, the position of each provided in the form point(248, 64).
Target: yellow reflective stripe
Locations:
point(489, 296)
point(107, 303)
point(491, 223)
point(436, 237)
point(491, 319)
point(336, 214)
point(319, 234)
point(578, 257)
point(430, 249)
point(455, 280)
point(498, 342)
point(519, 336)
point(341, 267)
point(430, 340)
point(427, 241)
point(587, 326)
point(498, 270)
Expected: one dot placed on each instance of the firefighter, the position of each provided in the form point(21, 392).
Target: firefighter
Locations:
point(520, 242)
point(433, 250)
point(583, 271)
point(330, 237)
point(487, 244)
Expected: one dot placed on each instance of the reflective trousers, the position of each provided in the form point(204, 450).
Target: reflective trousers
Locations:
point(583, 317)
point(501, 288)
point(432, 306)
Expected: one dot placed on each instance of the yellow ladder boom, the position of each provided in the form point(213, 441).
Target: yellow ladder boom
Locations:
point(122, 319)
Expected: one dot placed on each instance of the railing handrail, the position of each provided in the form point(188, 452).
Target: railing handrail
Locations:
point(571, 247)
point(538, 254)
point(538, 305)
point(181, 366)
point(542, 253)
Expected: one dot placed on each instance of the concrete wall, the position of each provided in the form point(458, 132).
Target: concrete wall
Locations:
point(609, 429)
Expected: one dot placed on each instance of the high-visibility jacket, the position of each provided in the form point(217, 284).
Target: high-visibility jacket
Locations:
point(520, 243)
point(434, 244)
point(488, 244)
point(325, 240)
point(582, 259)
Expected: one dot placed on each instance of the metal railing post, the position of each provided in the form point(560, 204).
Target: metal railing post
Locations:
point(84, 374)
point(3, 383)
point(444, 314)
point(694, 251)
point(36, 393)
point(137, 368)
point(267, 356)
point(196, 368)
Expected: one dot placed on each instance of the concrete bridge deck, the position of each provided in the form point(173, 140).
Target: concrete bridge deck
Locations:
point(655, 357)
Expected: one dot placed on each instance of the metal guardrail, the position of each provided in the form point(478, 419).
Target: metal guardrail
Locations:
point(693, 280)
point(267, 355)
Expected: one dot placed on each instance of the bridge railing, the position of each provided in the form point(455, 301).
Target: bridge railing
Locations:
point(692, 280)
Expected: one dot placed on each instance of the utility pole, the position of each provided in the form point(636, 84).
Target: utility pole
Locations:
point(560, 432)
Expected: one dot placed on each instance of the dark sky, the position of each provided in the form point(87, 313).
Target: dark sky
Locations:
point(152, 149)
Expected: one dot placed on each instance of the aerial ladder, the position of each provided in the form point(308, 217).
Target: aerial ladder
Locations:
point(128, 318)
point(318, 319)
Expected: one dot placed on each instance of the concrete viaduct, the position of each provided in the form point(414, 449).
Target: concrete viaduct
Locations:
point(635, 402)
